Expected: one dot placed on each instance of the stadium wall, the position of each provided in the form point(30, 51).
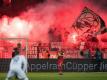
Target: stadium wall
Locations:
point(50, 65)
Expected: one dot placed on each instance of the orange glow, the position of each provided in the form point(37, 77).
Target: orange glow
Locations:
point(72, 38)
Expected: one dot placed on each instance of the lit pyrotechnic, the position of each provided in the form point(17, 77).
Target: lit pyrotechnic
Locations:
point(72, 38)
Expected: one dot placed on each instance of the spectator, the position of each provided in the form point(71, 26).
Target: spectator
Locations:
point(98, 58)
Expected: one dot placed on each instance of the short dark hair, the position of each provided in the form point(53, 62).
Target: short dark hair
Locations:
point(15, 52)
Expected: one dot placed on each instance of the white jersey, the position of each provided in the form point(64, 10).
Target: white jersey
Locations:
point(19, 62)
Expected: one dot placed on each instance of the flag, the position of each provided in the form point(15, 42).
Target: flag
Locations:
point(103, 28)
point(88, 23)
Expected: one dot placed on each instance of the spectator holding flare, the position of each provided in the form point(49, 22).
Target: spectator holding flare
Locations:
point(60, 61)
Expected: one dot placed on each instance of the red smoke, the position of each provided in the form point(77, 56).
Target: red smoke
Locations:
point(36, 21)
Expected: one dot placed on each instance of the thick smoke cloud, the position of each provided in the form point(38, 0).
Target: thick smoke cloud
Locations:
point(38, 18)
point(99, 3)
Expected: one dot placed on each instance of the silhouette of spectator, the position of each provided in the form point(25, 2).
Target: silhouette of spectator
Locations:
point(98, 58)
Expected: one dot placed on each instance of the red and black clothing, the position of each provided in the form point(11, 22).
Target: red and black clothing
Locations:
point(60, 60)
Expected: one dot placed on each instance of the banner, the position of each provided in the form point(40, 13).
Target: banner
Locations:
point(49, 65)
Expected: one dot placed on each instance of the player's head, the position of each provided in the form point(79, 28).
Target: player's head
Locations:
point(19, 45)
point(15, 52)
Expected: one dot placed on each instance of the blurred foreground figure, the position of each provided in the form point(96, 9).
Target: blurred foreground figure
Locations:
point(18, 66)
